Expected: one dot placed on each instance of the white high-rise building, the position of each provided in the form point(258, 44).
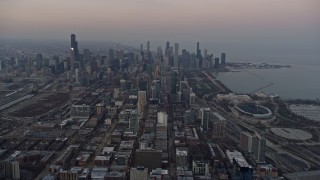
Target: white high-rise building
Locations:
point(162, 119)
point(258, 148)
point(254, 145)
point(245, 142)
point(176, 55)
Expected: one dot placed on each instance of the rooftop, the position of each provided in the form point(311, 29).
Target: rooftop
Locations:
point(181, 152)
point(107, 150)
point(293, 134)
point(159, 171)
point(237, 156)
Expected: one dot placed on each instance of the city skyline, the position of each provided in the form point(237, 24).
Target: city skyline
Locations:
point(264, 30)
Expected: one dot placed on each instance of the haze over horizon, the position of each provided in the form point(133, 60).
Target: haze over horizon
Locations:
point(290, 26)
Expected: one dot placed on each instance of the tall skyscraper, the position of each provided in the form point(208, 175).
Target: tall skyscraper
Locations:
point(39, 61)
point(219, 124)
point(223, 59)
point(199, 56)
point(198, 45)
point(198, 51)
point(111, 58)
point(141, 49)
point(258, 148)
point(167, 48)
point(216, 63)
point(159, 54)
point(163, 77)
point(134, 121)
point(174, 80)
point(254, 145)
point(245, 142)
point(148, 46)
point(74, 52)
point(74, 46)
point(185, 59)
point(149, 56)
point(73, 41)
point(176, 55)
point(73, 59)
point(205, 118)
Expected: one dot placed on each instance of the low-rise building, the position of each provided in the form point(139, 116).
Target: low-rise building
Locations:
point(98, 173)
point(139, 173)
point(200, 168)
point(181, 158)
point(159, 174)
point(149, 158)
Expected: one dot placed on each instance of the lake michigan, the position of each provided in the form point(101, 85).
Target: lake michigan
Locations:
point(297, 82)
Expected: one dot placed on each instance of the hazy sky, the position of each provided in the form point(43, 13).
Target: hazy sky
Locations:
point(294, 23)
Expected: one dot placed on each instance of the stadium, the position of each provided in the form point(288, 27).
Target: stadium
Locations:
point(254, 110)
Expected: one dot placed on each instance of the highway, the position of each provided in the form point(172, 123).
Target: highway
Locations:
point(214, 81)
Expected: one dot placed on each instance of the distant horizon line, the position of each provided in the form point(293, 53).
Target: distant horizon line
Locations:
point(95, 40)
point(129, 43)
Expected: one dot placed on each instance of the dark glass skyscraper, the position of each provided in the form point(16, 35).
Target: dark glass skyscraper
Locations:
point(167, 48)
point(223, 59)
point(216, 63)
point(199, 56)
point(74, 45)
point(198, 50)
point(141, 49)
point(39, 61)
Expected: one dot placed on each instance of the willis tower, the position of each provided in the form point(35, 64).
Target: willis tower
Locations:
point(74, 46)
point(74, 52)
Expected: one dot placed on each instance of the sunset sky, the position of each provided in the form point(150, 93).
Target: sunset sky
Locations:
point(281, 22)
